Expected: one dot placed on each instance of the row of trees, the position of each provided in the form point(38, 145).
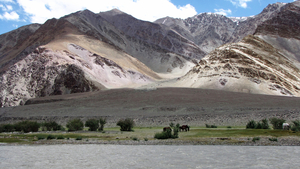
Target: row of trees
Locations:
point(275, 122)
point(72, 125)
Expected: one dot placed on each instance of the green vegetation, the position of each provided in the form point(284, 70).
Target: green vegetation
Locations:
point(273, 139)
point(277, 123)
point(255, 139)
point(102, 123)
point(50, 137)
point(75, 125)
point(296, 126)
point(49, 126)
point(168, 132)
point(27, 126)
point(93, 124)
point(60, 137)
point(126, 125)
point(78, 138)
point(210, 126)
point(258, 125)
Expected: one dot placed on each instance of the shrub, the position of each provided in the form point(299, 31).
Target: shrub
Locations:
point(258, 125)
point(126, 125)
point(251, 124)
point(168, 133)
point(102, 123)
point(255, 139)
point(79, 138)
point(50, 137)
point(214, 126)
point(27, 126)
point(210, 126)
point(75, 125)
point(93, 124)
point(163, 135)
point(135, 139)
point(229, 127)
point(1, 128)
point(49, 126)
point(265, 124)
point(60, 137)
point(273, 139)
point(146, 139)
point(8, 128)
point(41, 137)
point(296, 125)
point(277, 123)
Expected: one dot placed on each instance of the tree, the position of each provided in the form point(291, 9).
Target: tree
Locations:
point(102, 123)
point(75, 125)
point(126, 125)
point(93, 124)
point(251, 124)
point(277, 123)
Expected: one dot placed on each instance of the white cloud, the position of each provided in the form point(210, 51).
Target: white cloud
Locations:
point(10, 16)
point(11, 1)
point(223, 11)
point(150, 10)
point(240, 3)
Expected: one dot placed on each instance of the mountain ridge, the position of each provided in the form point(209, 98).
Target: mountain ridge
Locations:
point(86, 51)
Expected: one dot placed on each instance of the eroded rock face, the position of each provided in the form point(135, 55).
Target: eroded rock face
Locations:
point(251, 64)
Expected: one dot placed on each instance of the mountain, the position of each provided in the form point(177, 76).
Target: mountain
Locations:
point(264, 63)
point(86, 51)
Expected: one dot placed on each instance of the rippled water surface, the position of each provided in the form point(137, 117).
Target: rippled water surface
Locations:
point(124, 156)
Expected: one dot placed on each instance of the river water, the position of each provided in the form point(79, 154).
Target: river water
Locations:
point(143, 156)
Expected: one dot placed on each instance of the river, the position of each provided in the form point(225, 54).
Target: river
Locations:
point(143, 156)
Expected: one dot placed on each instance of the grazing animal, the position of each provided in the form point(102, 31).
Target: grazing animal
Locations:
point(285, 126)
point(184, 128)
point(167, 129)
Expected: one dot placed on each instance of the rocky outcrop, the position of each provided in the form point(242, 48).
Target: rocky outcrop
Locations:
point(251, 66)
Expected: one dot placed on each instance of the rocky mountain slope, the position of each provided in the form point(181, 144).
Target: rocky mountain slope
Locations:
point(84, 52)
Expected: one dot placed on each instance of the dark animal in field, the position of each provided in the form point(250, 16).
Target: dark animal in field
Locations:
point(167, 129)
point(184, 128)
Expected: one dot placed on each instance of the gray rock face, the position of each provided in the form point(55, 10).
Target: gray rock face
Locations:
point(209, 31)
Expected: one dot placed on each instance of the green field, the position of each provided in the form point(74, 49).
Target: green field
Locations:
point(146, 133)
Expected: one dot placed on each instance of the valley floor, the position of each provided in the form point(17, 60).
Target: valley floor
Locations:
point(145, 136)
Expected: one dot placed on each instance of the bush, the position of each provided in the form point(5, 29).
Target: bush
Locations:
point(258, 126)
point(41, 137)
point(8, 128)
point(296, 126)
point(251, 124)
point(255, 139)
point(265, 124)
point(50, 137)
point(163, 135)
point(27, 126)
point(277, 123)
point(60, 137)
point(75, 125)
point(135, 139)
point(229, 127)
point(126, 125)
point(93, 124)
point(146, 139)
point(273, 139)
point(49, 126)
point(79, 138)
point(102, 123)
point(210, 126)
point(1, 128)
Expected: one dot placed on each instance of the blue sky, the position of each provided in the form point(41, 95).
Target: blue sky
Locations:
point(17, 13)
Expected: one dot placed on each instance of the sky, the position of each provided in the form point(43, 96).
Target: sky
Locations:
point(17, 13)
